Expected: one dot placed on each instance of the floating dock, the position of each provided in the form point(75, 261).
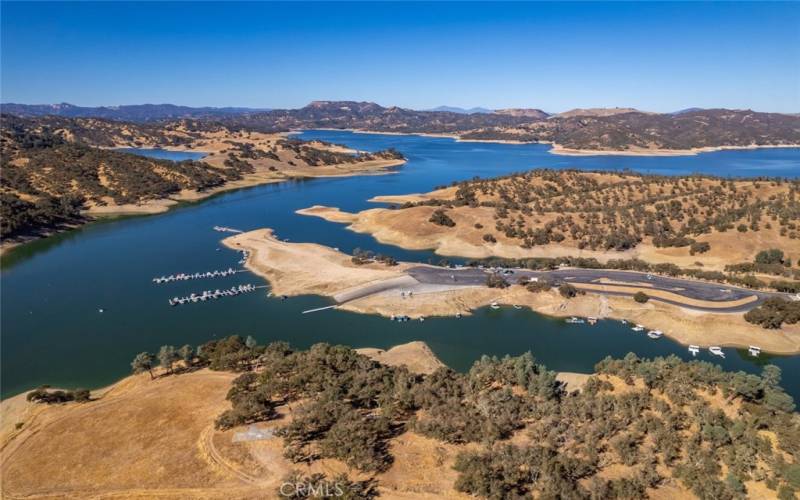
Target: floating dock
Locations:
point(215, 294)
point(223, 229)
point(196, 276)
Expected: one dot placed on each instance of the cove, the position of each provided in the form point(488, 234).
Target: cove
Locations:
point(53, 289)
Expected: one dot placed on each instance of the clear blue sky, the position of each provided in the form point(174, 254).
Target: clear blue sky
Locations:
point(659, 57)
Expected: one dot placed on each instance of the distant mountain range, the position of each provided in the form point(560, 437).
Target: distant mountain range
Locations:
point(132, 113)
point(593, 129)
point(453, 109)
point(598, 112)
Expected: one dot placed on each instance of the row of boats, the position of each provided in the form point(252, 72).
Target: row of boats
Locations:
point(574, 320)
point(495, 305)
point(402, 318)
point(245, 255)
point(754, 351)
point(653, 334)
point(210, 295)
point(194, 276)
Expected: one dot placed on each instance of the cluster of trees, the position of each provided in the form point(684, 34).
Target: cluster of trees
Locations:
point(774, 312)
point(250, 152)
point(346, 406)
point(19, 217)
point(46, 180)
point(440, 217)
point(602, 211)
point(770, 261)
point(665, 268)
point(361, 257)
point(167, 357)
point(315, 156)
point(634, 129)
point(43, 394)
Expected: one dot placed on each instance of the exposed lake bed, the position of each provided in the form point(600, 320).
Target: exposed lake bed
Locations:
point(54, 290)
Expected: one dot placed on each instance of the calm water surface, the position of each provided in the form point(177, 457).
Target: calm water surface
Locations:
point(52, 290)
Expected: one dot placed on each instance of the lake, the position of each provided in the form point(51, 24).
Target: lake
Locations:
point(53, 290)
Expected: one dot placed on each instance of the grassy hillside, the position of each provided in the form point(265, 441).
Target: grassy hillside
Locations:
point(508, 428)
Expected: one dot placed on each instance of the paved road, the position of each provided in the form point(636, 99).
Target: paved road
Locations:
point(699, 290)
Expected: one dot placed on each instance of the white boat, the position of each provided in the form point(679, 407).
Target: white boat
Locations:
point(624, 322)
point(421, 318)
point(517, 306)
point(716, 351)
point(575, 320)
point(592, 320)
point(494, 305)
point(655, 334)
point(638, 328)
point(754, 351)
point(694, 349)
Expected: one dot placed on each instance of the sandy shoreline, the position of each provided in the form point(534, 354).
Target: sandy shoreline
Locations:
point(302, 268)
point(560, 150)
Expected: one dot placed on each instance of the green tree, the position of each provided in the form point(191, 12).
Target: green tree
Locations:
point(641, 297)
point(186, 353)
point(143, 362)
point(167, 356)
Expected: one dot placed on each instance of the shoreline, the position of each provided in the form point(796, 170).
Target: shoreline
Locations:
point(303, 268)
point(163, 205)
point(557, 149)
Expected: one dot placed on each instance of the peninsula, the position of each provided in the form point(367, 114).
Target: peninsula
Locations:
point(689, 311)
point(702, 222)
point(61, 172)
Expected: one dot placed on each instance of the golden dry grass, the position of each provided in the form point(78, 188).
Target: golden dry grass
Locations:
point(416, 356)
point(591, 193)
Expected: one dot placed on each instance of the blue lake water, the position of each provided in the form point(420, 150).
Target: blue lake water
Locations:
point(164, 154)
point(53, 332)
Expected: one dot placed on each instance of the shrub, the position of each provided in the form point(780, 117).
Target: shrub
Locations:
point(42, 395)
point(538, 286)
point(699, 247)
point(567, 291)
point(641, 297)
point(774, 312)
point(496, 281)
